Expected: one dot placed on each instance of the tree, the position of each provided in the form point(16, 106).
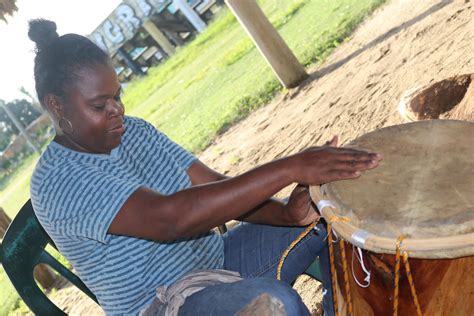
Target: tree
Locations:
point(23, 110)
point(25, 113)
point(34, 101)
point(7, 7)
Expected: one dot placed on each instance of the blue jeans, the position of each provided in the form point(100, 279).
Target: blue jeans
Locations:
point(254, 251)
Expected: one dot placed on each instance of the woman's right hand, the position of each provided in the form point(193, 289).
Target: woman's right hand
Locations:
point(318, 165)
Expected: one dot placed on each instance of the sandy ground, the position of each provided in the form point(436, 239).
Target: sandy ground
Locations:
point(404, 44)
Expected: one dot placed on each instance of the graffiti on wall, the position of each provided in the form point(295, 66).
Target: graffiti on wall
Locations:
point(122, 24)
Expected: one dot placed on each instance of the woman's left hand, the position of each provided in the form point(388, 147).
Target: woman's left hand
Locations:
point(299, 210)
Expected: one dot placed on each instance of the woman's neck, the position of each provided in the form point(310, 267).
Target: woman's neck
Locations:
point(67, 142)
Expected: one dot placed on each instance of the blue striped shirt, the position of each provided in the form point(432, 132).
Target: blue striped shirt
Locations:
point(77, 195)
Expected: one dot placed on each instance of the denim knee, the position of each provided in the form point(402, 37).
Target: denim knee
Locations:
point(228, 299)
point(284, 293)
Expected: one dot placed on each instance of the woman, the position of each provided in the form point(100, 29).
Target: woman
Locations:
point(133, 211)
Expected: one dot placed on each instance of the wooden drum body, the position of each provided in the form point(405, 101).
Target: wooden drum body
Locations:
point(423, 194)
point(443, 286)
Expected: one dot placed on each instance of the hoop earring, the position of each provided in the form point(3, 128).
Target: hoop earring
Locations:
point(68, 129)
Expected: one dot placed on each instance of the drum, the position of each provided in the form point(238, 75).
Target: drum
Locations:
point(406, 228)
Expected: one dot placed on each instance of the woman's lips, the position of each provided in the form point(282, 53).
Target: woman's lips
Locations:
point(117, 129)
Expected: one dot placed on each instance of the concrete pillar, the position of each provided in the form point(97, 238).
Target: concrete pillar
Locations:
point(130, 62)
point(269, 42)
point(159, 37)
point(190, 14)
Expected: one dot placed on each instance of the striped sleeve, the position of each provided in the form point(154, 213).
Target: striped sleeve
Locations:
point(82, 201)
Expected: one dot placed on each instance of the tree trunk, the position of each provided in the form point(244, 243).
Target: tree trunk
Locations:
point(44, 275)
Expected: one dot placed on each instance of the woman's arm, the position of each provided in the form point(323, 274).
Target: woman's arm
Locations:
point(271, 211)
point(195, 210)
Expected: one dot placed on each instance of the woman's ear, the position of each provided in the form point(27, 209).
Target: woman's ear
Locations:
point(53, 104)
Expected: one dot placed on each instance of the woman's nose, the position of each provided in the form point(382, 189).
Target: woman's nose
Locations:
point(116, 108)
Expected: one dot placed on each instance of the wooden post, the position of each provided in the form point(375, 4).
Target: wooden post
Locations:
point(159, 37)
point(42, 273)
point(269, 42)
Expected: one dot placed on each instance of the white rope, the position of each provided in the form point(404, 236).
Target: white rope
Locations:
point(335, 240)
point(361, 260)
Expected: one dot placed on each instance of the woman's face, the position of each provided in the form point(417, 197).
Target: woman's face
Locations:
point(94, 108)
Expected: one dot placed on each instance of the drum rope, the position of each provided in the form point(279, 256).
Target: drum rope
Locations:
point(346, 276)
point(331, 259)
point(412, 284)
point(332, 220)
point(409, 277)
point(291, 246)
point(397, 276)
point(333, 270)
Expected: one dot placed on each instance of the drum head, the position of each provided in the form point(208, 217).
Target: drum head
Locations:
point(423, 187)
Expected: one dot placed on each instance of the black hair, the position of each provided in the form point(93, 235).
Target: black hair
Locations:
point(59, 58)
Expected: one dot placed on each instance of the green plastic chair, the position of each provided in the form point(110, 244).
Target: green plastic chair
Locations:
point(314, 271)
point(23, 248)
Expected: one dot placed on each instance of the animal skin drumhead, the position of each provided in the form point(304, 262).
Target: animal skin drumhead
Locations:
point(423, 187)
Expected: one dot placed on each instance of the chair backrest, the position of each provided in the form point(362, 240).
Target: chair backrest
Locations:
point(23, 248)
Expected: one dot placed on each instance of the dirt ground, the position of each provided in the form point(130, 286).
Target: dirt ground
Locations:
point(403, 45)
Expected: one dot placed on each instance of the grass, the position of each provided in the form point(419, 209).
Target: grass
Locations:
point(9, 297)
point(202, 90)
point(17, 192)
point(215, 81)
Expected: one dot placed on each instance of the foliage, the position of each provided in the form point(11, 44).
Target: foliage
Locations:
point(8, 166)
point(7, 7)
point(9, 297)
point(24, 111)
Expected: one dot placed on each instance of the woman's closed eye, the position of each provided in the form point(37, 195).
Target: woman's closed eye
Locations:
point(99, 107)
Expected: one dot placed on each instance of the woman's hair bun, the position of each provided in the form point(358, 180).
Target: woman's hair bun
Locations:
point(42, 32)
